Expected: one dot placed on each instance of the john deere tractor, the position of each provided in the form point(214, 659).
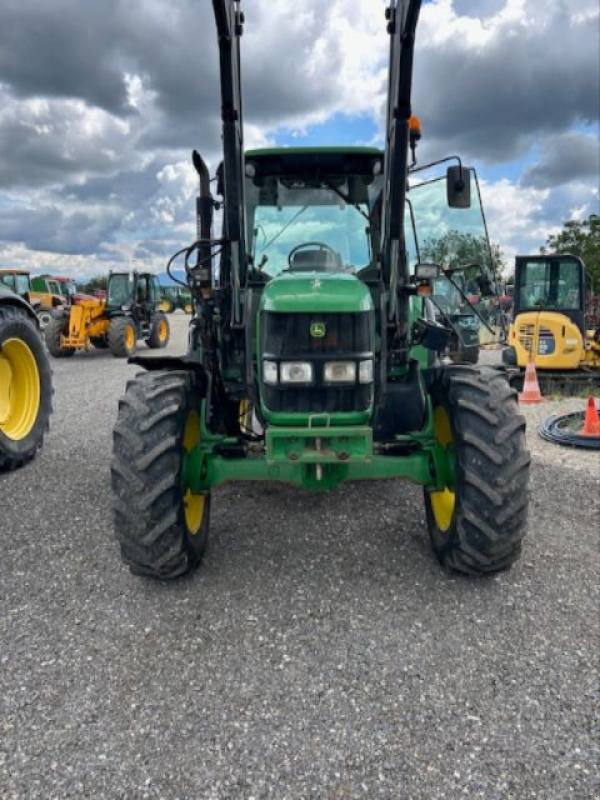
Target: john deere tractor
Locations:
point(25, 382)
point(127, 314)
point(313, 352)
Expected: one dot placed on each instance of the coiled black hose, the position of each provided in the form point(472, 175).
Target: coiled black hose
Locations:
point(564, 429)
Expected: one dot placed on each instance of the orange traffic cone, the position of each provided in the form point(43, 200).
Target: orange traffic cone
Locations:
point(591, 425)
point(531, 388)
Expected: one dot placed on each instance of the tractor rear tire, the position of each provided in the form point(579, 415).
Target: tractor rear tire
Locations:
point(160, 332)
point(162, 528)
point(25, 388)
point(122, 337)
point(166, 306)
point(52, 333)
point(477, 525)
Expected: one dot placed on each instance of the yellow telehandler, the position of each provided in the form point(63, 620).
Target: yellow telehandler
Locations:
point(127, 314)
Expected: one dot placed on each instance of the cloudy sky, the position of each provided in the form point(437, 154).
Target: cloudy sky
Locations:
point(101, 104)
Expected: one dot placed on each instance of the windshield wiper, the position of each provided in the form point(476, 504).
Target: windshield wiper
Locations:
point(285, 227)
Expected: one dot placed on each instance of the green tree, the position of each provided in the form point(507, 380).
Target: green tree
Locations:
point(579, 238)
point(455, 249)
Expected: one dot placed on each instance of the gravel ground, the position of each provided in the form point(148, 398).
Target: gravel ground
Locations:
point(320, 652)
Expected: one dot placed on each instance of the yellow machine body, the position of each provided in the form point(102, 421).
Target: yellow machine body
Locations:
point(554, 341)
point(87, 320)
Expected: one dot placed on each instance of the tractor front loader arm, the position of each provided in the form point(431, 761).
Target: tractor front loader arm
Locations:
point(230, 20)
point(402, 16)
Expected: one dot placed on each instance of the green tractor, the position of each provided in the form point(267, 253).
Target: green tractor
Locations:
point(25, 382)
point(314, 351)
point(174, 297)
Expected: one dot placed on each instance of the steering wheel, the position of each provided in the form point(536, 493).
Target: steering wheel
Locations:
point(320, 245)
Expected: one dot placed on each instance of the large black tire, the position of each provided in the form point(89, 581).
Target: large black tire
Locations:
point(122, 337)
point(491, 494)
point(52, 334)
point(25, 388)
point(468, 354)
point(160, 332)
point(152, 522)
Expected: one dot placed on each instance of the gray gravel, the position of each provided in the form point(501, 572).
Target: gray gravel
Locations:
point(320, 652)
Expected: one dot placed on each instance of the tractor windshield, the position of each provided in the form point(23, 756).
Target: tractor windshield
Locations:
point(550, 284)
point(450, 237)
point(322, 225)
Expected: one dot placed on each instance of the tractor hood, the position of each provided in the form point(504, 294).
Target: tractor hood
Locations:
point(316, 291)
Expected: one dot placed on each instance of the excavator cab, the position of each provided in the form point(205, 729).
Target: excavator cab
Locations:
point(548, 320)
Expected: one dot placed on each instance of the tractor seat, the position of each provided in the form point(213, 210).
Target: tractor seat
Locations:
point(316, 260)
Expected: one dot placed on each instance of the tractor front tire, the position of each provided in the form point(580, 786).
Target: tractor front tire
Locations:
point(160, 524)
point(52, 333)
point(160, 332)
point(122, 337)
point(477, 524)
point(25, 388)
point(468, 354)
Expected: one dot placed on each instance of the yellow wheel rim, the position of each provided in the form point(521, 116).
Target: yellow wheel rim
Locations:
point(443, 502)
point(130, 337)
point(188, 308)
point(19, 389)
point(164, 306)
point(163, 330)
point(193, 504)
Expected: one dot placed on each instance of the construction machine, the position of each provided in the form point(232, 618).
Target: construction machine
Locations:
point(550, 323)
point(44, 300)
point(313, 355)
point(25, 382)
point(127, 314)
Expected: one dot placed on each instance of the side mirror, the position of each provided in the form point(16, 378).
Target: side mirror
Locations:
point(426, 272)
point(458, 187)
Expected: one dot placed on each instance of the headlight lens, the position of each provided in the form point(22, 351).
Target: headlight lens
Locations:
point(339, 372)
point(365, 371)
point(296, 372)
point(270, 372)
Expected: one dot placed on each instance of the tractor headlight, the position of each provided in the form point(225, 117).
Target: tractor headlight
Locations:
point(365, 371)
point(270, 372)
point(339, 372)
point(296, 372)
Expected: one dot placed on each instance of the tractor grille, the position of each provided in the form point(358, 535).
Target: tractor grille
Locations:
point(287, 337)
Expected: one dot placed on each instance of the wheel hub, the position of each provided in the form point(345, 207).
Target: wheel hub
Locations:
point(19, 389)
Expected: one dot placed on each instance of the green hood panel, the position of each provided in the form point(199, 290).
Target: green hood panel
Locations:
point(316, 292)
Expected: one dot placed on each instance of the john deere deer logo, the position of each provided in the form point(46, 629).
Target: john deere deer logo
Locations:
point(318, 330)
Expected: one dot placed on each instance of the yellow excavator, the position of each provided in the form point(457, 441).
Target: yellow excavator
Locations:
point(549, 319)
